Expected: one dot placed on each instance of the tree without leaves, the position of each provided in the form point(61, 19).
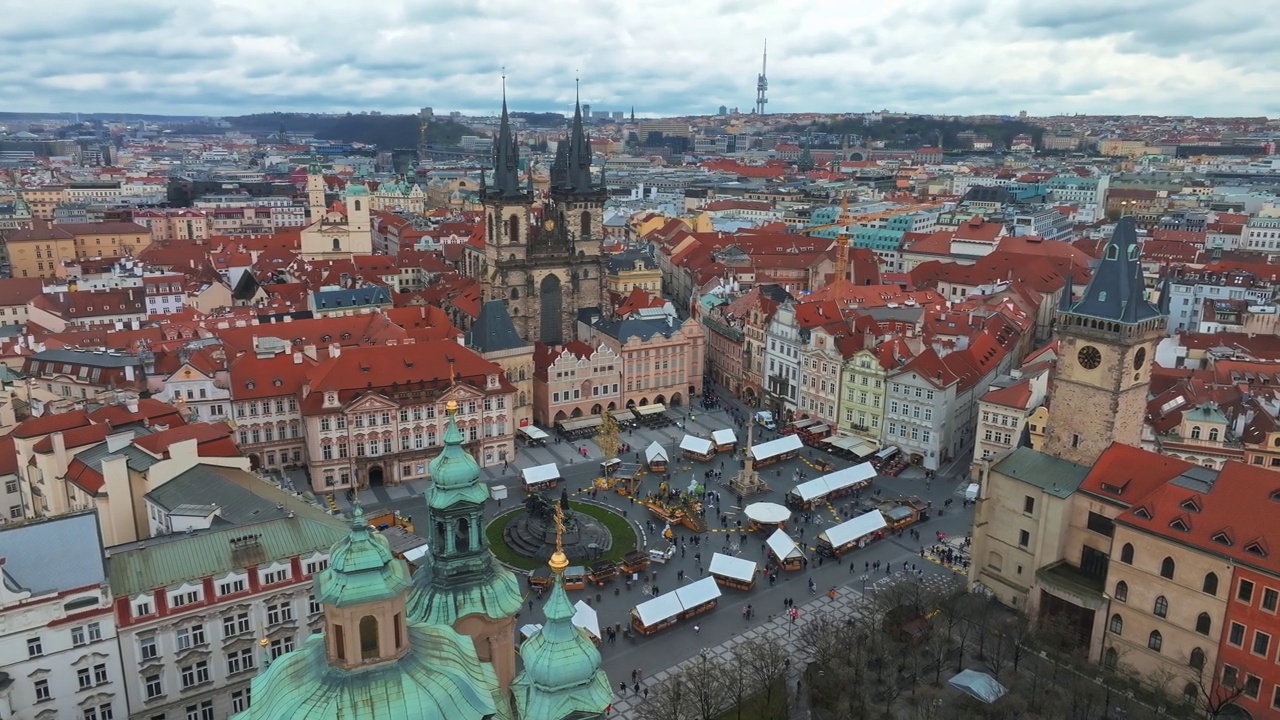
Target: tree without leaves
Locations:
point(708, 691)
point(765, 664)
point(668, 700)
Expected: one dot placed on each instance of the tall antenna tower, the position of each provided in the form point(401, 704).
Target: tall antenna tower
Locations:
point(762, 82)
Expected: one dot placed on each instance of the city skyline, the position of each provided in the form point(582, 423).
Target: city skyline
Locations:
point(663, 58)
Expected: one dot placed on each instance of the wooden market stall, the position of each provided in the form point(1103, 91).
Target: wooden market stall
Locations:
point(697, 597)
point(902, 512)
point(656, 457)
point(850, 448)
point(725, 440)
point(785, 551)
point(575, 577)
point(775, 451)
point(635, 561)
point(696, 448)
point(734, 572)
point(830, 486)
point(796, 426)
point(852, 534)
point(766, 516)
point(540, 578)
point(540, 477)
point(657, 614)
point(601, 572)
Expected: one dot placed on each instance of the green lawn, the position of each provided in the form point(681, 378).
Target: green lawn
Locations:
point(624, 535)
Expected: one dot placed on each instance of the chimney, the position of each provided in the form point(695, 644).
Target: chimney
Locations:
point(335, 350)
point(131, 403)
point(297, 358)
point(129, 373)
point(117, 441)
point(309, 350)
point(59, 446)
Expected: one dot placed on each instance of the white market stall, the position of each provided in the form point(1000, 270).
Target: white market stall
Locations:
point(851, 534)
point(785, 550)
point(734, 572)
point(784, 448)
point(831, 486)
point(724, 439)
point(540, 477)
point(696, 448)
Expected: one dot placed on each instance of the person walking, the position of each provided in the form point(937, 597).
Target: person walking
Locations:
point(697, 629)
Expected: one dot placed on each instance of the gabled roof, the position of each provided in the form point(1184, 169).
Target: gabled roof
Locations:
point(1124, 474)
point(1017, 395)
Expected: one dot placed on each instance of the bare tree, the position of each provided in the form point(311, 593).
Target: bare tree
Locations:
point(936, 647)
point(708, 692)
point(1022, 635)
point(1215, 697)
point(668, 700)
point(764, 665)
point(999, 647)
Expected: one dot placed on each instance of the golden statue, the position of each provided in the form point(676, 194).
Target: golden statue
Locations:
point(559, 561)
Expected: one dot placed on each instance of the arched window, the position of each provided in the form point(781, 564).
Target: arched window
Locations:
point(339, 643)
point(1113, 252)
point(368, 637)
point(1210, 584)
point(584, 230)
point(1111, 658)
point(1117, 624)
point(515, 293)
point(1197, 659)
point(1161, 608)
point(1167, 568)
point(1155, 641)
point(1202, 623)
point(1213, 434)
point(440, 535)
point(399, 631)
point(513, 229)
point(1190, 693)
point(1195, 432)
point(462, 539)
point(1126, 554)
point(1122, 591)
point(337, 244)
point(357, 206)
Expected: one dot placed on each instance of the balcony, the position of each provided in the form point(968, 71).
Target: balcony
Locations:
point(1068, 582)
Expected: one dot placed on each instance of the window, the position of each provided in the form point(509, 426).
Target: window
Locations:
point(314, 607)
point(230, 587)
point(1028, 504)
point(238, 624)
point(42, 690)
point(275, 576)
point(1197, 659)
point(1244, 593)
point(83, 678)
point(34, 647)
point(240, 700)
point(1252, 686)
point(190, 637)
point(277, 614)
point(1203, 623)
point(1161, 608)
point(154, 687)
point(189, 597)
point(1117, 624)
point(1024, 538)
point(1100, 524)
point(239, 661)
point(316, 566)
point(1126, 554)
point(1236, 635)
point(195, 674)
point(1122, 591)
point(1269, 599)
point(147, 648)
point(1210, 586)
point(281, 646)
point(100, 675)
point(1155, 641)
point(77, 635)
point(368, 637)
point(1261, 643)
point(203, 711)
point(1166, 568)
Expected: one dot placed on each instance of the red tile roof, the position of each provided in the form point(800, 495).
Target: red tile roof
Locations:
point(74, 438)
point(1017, 395)
point(356, 371)
point(45, 424)
point(8, 456)
point(1126, 475)
point(205, 434)
point(150, 411)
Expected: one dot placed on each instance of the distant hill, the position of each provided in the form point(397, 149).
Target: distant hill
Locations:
point(541, 120)
point(385, 131)
point(919, 131)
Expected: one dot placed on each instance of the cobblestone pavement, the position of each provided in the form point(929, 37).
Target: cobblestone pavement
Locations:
point(847, 603)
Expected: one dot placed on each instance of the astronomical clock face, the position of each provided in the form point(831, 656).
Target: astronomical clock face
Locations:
point(549, 225)
point(1139, 359)
point(1089, 357)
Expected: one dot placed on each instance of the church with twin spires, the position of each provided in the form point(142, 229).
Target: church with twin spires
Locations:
point(542, 255)
point(439, 645)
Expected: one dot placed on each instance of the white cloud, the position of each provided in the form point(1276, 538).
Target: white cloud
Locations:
point(663, 56)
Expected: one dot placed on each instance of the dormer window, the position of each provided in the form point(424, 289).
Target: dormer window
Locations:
point(1222, 538)
point(1256, 548)
point(249, 384)
point(1179, 524)
point(1142, 513)
point(1190, 505)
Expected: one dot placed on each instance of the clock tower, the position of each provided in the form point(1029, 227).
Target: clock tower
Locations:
point(1106, 344)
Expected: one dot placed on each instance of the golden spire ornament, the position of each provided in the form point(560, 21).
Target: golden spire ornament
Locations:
point(559, 561)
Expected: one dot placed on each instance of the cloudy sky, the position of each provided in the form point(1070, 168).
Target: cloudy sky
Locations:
point(665, 57)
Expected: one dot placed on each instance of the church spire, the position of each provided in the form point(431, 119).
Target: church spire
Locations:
point(506, 154)
point(1117, 291)
point(579, 159)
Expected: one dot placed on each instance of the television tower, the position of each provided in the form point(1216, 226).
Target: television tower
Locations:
point(762, 82)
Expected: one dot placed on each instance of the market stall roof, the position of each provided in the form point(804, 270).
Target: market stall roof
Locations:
point(723, 437)
point(784, 444)
point(851, 530)
point(732, 567)
point(817, 429)
point(857, 446)
point(650, 409)
point(695, 444)
point(623, 415)
point(540, 474)
point(533, 432)
point(527, 631)
point(783, 546)
point(695, 594)
point(585, 617)
point(663, 607)
point(581, 423)
point(655, 451)
point(849, 477)
point(803, 423)
point(767, 512)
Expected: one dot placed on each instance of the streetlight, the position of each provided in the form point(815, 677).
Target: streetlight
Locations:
point(864, 585)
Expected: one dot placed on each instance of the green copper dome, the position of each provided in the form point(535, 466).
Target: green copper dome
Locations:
point(455, 475)
point(355, 188)
point(361, 569)
point(562, 674)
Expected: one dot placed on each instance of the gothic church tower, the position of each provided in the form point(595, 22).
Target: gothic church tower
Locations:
point(1106, 343)
point(548, 271)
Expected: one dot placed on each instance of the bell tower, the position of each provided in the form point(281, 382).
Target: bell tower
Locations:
point(1106, 343)
point(507, 210)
